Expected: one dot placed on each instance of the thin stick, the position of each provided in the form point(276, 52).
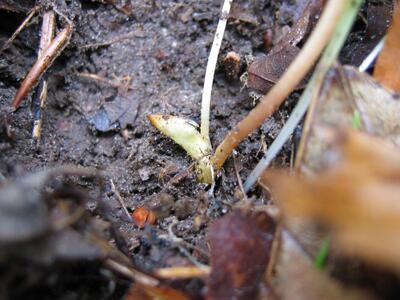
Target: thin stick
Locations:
point(117, 39)
point(39, 99)
point(42, 64)
point(211, 64)
point(329, 56)
point(20, 28)
point(287, 83)
point(120, 200)
point(95, 77)
point(131, 273)
point(239, 179)
point(183, 272)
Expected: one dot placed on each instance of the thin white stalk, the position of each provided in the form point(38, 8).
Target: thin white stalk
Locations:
point(210, 71)
point(331, 52)
point(367, 62)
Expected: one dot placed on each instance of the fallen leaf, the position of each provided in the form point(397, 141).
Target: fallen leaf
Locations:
point(265, 70)
point(357, 199)
point(240, 250)
point(163, 292)
point(387, 68)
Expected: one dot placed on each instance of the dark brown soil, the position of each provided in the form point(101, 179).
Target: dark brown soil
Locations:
point(162, 50)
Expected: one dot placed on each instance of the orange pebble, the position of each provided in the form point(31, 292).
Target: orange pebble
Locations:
point(142, 215)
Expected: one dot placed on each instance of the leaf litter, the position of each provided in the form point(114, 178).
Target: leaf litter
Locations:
point(249, 256)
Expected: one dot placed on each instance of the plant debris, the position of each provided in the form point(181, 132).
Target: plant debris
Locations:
point(387, 66)
point(127, 219)
point(344, 198)
point(266, 70)
point(237, 241)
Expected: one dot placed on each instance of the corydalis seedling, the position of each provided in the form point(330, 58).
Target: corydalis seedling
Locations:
point(198, 145)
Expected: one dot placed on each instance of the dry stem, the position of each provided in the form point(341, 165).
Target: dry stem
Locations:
point(42, 64)
point(287, 83)
point(183, 272)
point(38, 102)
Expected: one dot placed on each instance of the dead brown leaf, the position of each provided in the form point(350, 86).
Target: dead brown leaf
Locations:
point(265, 70)
point(387, 68)
point(142, 292)
point(240, 250)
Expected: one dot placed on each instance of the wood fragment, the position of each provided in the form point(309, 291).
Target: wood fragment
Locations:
point(131, 273)
point(124, 83)
point(120, 200)
point(183, 272)
point(42, 64)
point(40, 96)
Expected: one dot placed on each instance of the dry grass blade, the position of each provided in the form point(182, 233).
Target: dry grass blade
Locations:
point(42, 64)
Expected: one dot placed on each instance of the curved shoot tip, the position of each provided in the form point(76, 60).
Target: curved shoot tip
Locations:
point(185, 133)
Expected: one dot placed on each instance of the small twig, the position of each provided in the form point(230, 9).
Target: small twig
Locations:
point(42, 64)
point(302, 64)
point(276, 244)
point(125, 85)
point(178, 242)
point(211, 64)
point(240, 183)
point(330, 55)
point(131, 273)
point(120, 200)
point(39, 99)
point(183, 272)
point(117, 39)
point(20, 28)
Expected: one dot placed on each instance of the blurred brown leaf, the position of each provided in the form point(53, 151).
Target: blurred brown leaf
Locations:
point(387, 68)
point(240, 250)
point(358, 199)
point(163, 292)
point(265, 70)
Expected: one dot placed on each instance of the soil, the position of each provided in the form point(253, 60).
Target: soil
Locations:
point(154, 59)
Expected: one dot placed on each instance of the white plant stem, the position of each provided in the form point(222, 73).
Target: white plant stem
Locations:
point(210, 71)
